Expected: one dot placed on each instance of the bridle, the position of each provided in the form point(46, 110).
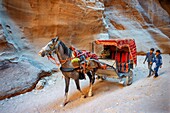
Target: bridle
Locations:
point(62, 62)
point(53, 60)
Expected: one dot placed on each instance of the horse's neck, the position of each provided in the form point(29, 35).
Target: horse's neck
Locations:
point(61, 55)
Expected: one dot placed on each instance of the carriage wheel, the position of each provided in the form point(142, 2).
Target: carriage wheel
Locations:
point(103, 77)
point(129, 79)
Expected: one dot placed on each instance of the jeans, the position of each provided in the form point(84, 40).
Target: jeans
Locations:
point(150, 68)
point(156, 70)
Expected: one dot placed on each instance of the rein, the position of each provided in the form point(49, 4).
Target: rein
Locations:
point(61, 61)
point(52, 58)
point(56, 62)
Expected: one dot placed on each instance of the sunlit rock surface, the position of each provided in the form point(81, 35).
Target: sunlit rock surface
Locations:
point(79, 22)
point(145, 21)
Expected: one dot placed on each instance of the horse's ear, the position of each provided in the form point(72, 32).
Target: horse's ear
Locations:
point(57, 38)
point(54, 40)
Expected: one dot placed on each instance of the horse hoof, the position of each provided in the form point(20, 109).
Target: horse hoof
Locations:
point(62, 105)
point(83, 96)
point(90, 94)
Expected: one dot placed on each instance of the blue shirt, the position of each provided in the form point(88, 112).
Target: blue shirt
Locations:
point(158, 60)
point(150, 57)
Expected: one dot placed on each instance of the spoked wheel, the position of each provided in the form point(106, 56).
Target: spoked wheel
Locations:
point(102, 78)
point(129, 79)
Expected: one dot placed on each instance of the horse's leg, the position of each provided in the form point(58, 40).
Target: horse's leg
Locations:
point(92, 79)
point(67, 82)
point(90, 87)
point(79, 89)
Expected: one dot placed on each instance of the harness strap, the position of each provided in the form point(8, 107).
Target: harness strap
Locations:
point(62, 61)
point(68, 69)
point(55, 61)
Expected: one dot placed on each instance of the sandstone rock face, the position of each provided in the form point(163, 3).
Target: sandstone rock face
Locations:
point(79, 22)
point(70, 19)
point(16, 78)
point(157, 15)
point(19, 76)
point(165, 5)
point(145, 21)
point(19, 72)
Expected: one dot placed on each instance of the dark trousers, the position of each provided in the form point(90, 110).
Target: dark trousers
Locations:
point(156, 70)
point(150, 68)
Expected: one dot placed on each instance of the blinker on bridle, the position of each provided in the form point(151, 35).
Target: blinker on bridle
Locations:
point(53, 46)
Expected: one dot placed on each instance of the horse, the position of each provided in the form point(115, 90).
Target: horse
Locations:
point(64, 54)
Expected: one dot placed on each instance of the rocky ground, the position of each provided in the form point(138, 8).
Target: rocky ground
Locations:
point(145, 95)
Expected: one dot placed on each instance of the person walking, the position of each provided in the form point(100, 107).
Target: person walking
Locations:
point(158, 62)
point(150, 56)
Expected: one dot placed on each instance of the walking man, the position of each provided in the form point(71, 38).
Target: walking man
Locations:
point(150, 56)
point(158, 61)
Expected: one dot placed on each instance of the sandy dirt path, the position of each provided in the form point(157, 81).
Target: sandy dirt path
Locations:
point(145, 95)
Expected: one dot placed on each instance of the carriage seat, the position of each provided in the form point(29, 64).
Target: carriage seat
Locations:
point(122, 61)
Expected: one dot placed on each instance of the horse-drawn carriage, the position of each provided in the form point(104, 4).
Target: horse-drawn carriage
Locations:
point(122, 55)
point(119, 56)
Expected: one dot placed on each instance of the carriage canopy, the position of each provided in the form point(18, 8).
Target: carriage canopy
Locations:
point(120, 44)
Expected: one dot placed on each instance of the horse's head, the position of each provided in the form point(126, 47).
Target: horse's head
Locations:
point(49, 48)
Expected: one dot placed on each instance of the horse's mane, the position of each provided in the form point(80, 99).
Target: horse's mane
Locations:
point(67, 51)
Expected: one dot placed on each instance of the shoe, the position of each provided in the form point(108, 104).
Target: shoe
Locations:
point(155, 76)
point(153, 72)
point(148, 76)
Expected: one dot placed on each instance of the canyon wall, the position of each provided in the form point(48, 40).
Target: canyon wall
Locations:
point(75, 21)
point(79, 22)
